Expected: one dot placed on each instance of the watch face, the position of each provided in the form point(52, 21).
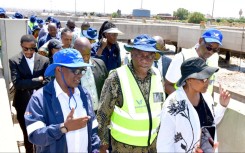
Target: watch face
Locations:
point(63, 129)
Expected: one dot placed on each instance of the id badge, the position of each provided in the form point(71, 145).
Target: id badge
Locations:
point(157, 97)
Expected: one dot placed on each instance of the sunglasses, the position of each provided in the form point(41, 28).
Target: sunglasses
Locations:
point(29, 49)
point(209, 47)
point(77, 71)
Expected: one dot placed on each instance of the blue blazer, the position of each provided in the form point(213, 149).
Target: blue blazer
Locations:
point(44, 107)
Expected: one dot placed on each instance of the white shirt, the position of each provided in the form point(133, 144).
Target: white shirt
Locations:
point(179, 117)
point(77, 141)
point(174, 73)
point(88, 82)
point(30, 62)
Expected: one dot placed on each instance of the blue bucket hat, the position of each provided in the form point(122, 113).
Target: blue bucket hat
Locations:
point(66, 57)
point(213, 35)
point(143, 42)
point(17, 16)
point(2, 11)
point(91, 33)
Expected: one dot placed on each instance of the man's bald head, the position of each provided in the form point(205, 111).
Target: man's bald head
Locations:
point(52, 29)
point(159, 39)
point(71, 24)
point(84, 47)
point(81, 43)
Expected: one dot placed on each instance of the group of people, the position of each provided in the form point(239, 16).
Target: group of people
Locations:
point(78, 96)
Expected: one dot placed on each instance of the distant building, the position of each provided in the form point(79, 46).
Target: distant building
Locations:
point(141, 13)
point(166, 16)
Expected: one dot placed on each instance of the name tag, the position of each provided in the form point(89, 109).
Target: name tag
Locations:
point(157, 97)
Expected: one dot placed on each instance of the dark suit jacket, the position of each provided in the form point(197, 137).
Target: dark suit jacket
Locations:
point(25, 82)
point(100, 73)
point(165, 64)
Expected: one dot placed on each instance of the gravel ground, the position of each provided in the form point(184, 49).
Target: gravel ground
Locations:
point(231, 74)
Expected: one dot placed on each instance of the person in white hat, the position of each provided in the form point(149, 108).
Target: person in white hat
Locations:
point(107, 48)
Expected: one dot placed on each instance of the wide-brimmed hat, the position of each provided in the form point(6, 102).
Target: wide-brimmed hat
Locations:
point(91, 33)
point(144, 43)
point(213, 35)
point(196, 68)
point(17, 16)
point(66, 57)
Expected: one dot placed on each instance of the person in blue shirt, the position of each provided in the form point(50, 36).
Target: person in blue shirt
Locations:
point(107, 47)
point(52, 34)
point(60, 117)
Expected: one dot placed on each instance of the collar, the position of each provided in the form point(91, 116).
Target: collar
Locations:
point(59, 91)
point(150, 72)
point(30, 59)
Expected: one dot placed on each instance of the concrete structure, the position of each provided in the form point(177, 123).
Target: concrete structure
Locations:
point(231, 133)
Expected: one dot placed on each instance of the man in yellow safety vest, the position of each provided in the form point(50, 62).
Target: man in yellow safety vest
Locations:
point(131, 99)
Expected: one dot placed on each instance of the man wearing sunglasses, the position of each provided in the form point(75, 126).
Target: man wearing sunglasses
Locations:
point(27, 73)
point(207, 49)
point(60, 116)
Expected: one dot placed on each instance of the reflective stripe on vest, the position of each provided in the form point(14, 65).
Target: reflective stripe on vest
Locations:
point(131, 123)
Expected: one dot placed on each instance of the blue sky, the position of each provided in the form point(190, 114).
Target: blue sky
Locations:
point(222, 8)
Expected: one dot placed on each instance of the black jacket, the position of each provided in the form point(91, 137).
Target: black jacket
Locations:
point(23, 80)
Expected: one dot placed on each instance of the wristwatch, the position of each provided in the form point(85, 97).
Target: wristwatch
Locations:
point(63, 129)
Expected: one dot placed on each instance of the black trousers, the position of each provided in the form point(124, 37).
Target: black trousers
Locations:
point(20, 117)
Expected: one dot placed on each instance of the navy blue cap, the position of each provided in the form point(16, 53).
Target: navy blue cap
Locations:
point(213, 35)
point(33, 18)
point(66, 57)
point(40, 21)
point(91, 33)
point(17, 16)
point(144, 43)
point(2, 11)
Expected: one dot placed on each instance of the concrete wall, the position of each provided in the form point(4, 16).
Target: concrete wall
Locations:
point(186, 36)
point(231, 133)
point(11, 31)
point(8, 142)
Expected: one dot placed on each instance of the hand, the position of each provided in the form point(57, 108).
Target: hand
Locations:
point(199, 150)
point(103, 43)
point(40, 78)
point(74, 124)
point(103, 148)
point(225, 96)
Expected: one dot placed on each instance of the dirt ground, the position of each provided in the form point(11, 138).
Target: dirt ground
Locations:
point(232, 75)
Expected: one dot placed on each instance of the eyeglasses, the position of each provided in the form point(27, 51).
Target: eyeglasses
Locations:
point(205, 80)
point(28, 49)
point(77, 71)
point(209, 47)
point(141, 56)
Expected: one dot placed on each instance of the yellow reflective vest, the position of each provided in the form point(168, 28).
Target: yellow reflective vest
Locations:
point(137, 122)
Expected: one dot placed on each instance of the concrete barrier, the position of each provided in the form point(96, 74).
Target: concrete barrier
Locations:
point(231, 133)
point(8, 142)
